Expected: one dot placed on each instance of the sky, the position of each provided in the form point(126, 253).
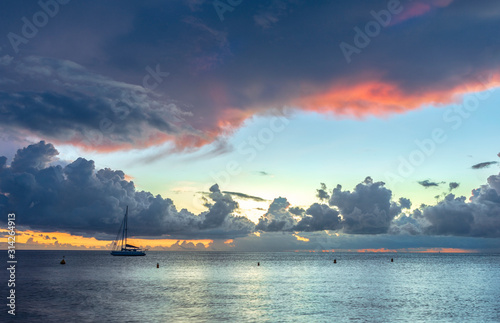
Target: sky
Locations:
point(282, 125)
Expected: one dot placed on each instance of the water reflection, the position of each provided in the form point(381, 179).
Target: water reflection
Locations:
point(192, 287)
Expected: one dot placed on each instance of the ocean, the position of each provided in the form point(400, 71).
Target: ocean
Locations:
point(94, 286)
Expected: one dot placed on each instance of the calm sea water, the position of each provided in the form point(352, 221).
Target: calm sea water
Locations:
point(230, 287)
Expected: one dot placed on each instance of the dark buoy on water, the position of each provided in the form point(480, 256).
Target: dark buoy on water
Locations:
point(258, 264)
point(334, 261)
point(392, 259)
point(157, 265)
point(63, 262)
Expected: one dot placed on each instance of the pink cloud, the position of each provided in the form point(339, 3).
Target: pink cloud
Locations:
point(419, 8)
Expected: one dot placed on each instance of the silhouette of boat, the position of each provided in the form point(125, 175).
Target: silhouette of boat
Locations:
point(120, 245)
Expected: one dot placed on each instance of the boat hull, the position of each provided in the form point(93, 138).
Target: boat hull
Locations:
point(128, 253)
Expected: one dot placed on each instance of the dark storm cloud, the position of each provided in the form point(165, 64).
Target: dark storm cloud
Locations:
point(453, 185)
point(246, 196)
point(35, 157)
point(405, 203)
point(322, 193)
point(218, 212)
point(92, 54)
point(455, 216)
point(319, 217)
point(484, 165)
point(296, 210)
point(427, 183)
point(79, 199)
point(449, 217)
point(406, 225)
point(84, 108)
point(368, 209)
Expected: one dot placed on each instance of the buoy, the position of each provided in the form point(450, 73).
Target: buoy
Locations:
point(392, 260)
point(258, 264)
point(63, 262)
point(334, 261)
point(157, 265)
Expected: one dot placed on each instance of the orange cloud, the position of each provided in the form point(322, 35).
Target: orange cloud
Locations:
point(59, 240)
point(299, 238)
point(405, 250)
point(380, 98)
point(421, 250)
point(226, 121)
point(441, 250)
point(376, 250)
point(361, 96)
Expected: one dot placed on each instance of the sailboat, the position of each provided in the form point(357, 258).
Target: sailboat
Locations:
point(120, 245)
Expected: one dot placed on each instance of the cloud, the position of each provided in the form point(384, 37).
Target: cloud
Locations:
point(6, 60)
point(484, 165)
point(278, 217)
point(31, 244)
point(246, 196)
point(322, 193)
point(368, 209)
point(184, 246)
point(428, 183)
point(420, 8)
point(195, 5)
point(265, 19)
point(453, 185)
point(321, 240)
point(319, 217)
point(406, 225)
point(78, 85)
point(405, 203)
point(220, 216)
point(297, 210)
point(270, 15)
point(35, 157)
point(449, 217)
point(77, 198)
point(90, 110)
point(455, 216)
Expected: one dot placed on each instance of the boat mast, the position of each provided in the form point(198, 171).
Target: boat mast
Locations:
point(126, 220)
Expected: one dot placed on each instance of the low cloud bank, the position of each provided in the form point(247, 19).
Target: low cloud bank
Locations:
point(79, 199)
